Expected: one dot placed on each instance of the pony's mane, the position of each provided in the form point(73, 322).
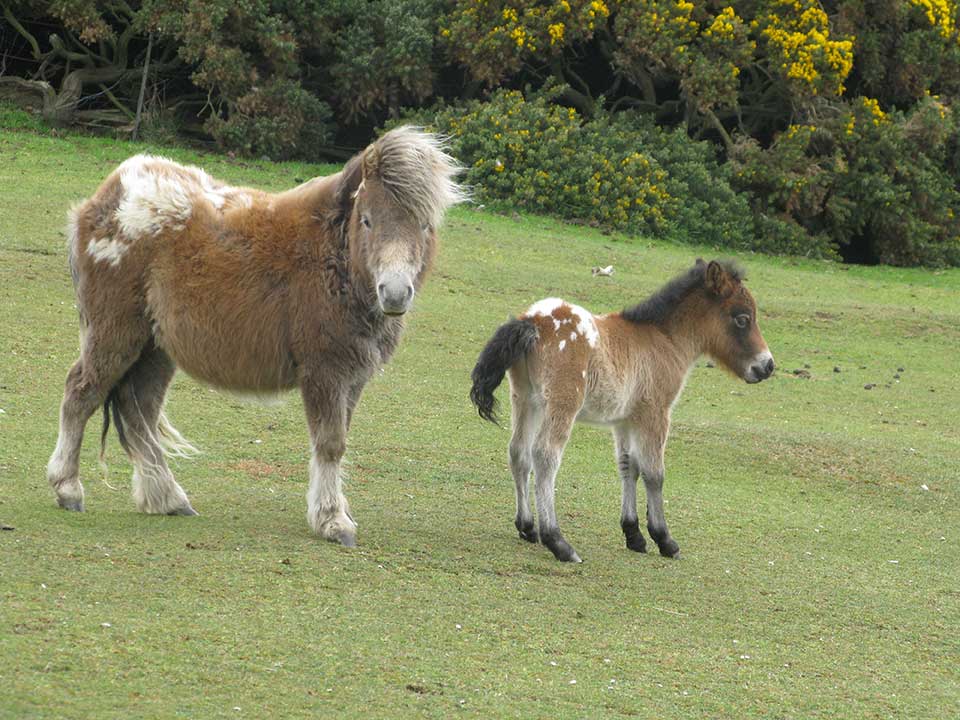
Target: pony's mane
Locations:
point(656, 308)
point(416, 170)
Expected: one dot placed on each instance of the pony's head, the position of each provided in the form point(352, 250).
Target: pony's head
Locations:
point(393, 197)
point(733, 335)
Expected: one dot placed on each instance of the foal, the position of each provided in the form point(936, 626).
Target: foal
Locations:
point(623, 370)
point(247, 291)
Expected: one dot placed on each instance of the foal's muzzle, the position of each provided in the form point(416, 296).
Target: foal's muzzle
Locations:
point(761, 367)
point(394, 292)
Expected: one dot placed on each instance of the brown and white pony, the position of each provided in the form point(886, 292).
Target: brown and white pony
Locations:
point(248, 291)
point(625, 371)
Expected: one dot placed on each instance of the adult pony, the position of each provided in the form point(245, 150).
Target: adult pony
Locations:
point(625, 371)
point(247, 291)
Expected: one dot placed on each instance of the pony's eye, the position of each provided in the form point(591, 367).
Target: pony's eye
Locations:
point(425, 227)
point(365, 221)
point(742, 321)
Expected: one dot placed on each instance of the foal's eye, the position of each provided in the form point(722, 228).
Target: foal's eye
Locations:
point(742, 321)
point(365, 221)
point(425, 227)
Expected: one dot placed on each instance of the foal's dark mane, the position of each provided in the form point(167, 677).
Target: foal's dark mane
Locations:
point(657, 308)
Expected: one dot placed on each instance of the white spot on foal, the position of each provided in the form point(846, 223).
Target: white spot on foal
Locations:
point(563, 344)
point(586, 325)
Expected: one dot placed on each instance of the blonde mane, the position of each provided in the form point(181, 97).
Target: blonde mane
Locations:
point(414, 167)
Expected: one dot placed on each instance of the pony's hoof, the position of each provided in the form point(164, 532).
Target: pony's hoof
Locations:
point(670, 549)
point(527, 531)
point(530, 536)
point(561, 549)
point(347, 539)
point(71, 505)
point(186, 511)
point(637, 544)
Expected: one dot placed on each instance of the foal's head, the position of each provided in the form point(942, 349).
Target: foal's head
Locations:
point(732, 335)
point(393, 196)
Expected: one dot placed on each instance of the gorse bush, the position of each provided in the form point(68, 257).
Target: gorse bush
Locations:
point(875, 185)
point(616, 171)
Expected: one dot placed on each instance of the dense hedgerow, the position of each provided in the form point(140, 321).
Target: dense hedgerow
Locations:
point(616, 171)
point(859, 177)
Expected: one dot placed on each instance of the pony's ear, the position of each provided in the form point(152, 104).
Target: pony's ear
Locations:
point(350, 178)
point(718, 281)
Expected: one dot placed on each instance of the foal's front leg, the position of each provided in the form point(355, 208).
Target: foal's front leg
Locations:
point(327, 408)
point(650, 459)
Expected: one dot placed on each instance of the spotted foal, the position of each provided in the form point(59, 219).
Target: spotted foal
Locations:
point(625, 371)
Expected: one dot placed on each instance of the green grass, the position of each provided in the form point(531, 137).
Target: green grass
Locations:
point(819, 579)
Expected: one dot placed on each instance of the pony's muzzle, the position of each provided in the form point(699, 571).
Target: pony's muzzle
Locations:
point(761, 367)
point(395, 293)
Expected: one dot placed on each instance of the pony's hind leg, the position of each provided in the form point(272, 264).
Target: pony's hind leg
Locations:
point(104, 358)
point(547, 454)
point(629, 472)
point(524, 420)
point(139, 403)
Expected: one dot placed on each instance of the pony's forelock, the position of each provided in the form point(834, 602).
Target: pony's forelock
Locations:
point(415, 169)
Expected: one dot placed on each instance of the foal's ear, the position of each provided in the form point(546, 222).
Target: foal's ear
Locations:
point(350, 178)
point(718, 281)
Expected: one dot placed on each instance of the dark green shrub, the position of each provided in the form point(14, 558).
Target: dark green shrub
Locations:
point(617, 171)
point(280, 120)
point(875, 184)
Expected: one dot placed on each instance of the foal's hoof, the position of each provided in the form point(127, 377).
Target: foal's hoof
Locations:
point(561, 549)
point(527, 531)
point(71, 505)
point(670, 549)
point(186, 511)
point(637, 544)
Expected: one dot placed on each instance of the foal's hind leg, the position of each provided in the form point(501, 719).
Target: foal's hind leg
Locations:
point(629, 471)
point(525, 417)
point(105, 356)
point(547, 454)
point(140, 398)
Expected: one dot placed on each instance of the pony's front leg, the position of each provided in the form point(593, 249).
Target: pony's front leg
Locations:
point(650, 460)
point(327, 510)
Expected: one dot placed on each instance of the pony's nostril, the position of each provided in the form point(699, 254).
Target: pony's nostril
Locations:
point(409, 291)
point(769, 366)
point(380, 288)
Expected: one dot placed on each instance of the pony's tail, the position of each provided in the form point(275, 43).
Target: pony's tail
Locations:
point(168, 437)
point(509, 343)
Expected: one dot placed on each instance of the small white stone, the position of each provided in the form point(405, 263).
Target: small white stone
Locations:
point(105, 625)
point(924, 487)
point(573, 682)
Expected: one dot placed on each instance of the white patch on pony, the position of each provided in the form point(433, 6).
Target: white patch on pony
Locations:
point(563, 344)
point(152, 201)
point(583, 373)
point(573, 336)
point(108, 250)
point(545, 307)
point(586, 325)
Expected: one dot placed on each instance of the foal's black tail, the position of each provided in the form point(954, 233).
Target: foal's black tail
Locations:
point(112, 404)
point(509, 343)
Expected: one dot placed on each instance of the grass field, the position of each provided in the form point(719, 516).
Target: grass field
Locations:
point(818, 519)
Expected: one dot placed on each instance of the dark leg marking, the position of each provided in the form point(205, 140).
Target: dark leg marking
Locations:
point(526, 529)
point(560, 548)
point(634, 538)
point(668, 546)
